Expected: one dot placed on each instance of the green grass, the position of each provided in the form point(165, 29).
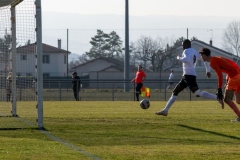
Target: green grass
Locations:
point(121, 130)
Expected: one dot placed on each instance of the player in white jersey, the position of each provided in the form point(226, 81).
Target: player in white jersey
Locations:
point(189, 59)
point(170, 80)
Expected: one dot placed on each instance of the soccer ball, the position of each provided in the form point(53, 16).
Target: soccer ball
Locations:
point(144, 104)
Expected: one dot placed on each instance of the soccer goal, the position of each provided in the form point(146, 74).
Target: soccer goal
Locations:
point(21, 99)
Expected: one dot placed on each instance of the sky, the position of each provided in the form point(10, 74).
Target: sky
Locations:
point(150, 19)
point(146, 7)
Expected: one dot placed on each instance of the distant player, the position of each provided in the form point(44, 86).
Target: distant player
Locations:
point(224, 65)
point(9, 86)
point(139, 79)
point(189, 59)
point(76, 83)
point(170, 80)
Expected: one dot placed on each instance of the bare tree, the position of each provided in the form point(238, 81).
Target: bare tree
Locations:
point(146, 50)
point(83, 58)
point(156, 55)
point(5, 48)
point(231, 38)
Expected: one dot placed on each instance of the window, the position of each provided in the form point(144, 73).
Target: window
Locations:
point(23, 57)
point(45, 59)
point(65, 59)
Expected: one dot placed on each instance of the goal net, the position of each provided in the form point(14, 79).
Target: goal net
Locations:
point(18, 64)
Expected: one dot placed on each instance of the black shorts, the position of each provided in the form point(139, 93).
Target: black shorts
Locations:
point(188, 81)
point(139, 87)
point(171, 83)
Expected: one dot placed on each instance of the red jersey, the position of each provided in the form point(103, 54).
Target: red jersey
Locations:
point(224, 65)
point(139, 76)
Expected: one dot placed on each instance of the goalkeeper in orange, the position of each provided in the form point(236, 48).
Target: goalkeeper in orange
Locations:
point(223, 65)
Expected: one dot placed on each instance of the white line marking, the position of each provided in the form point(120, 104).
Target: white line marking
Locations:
point(60, 140)
point(70, 145)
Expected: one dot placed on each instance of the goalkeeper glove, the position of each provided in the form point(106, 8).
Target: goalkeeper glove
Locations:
point(219, 94)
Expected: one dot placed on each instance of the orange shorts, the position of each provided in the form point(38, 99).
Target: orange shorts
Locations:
point(234, 83)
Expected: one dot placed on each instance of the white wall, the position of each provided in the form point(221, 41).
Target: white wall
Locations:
point(25, 66)
point(56, 67)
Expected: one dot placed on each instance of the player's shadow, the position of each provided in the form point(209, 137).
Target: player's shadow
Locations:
point(9, 129)
point(206, 131)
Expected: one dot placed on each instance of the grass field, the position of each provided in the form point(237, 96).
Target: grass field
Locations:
point(121, 130)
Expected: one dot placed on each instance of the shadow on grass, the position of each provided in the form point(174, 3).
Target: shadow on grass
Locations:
point(206, 131)
point(9, 129)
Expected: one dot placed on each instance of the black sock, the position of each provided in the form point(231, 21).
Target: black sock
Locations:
point(137, 95)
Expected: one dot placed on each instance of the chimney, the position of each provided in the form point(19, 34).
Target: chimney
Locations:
point(59, 44)
point(210, 42)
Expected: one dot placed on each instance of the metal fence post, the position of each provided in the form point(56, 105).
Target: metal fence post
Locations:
point(49, 85)
point(134, 91)
point(190, 94)
point(165, 92)
point(112, 91)
point(60, 92)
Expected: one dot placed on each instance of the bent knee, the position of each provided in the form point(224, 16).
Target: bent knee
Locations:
point(227, 100)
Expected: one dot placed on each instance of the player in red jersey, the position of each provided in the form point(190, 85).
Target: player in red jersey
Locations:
point(139, 79)
point(223, 65)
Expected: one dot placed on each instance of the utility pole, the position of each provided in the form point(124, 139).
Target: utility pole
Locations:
point(67, 53)
point(126, 61)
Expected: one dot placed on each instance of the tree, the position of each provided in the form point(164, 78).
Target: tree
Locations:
point(146, 48)
point(113, 46)
point(231, 38)
point(83, 58)
point(105, 45)
point(5, 48)
point(180, 40)
point(97, 42)
point(153, 53)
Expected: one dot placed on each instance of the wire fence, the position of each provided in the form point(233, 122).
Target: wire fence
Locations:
point(106, 90)
point(113, 90)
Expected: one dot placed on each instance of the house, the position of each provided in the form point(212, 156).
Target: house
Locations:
point(101, 64)
point(54, 60)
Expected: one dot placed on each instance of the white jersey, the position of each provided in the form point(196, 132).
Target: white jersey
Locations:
point(189, 58)
point(171, 76)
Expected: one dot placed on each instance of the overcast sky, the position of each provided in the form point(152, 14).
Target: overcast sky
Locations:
point(146, 7)
point(153, 14)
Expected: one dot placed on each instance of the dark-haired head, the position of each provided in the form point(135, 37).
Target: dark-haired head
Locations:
point(186, 44)
point(205, 51)
point(139, 67)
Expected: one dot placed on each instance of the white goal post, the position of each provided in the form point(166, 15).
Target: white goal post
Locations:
point(21, 57)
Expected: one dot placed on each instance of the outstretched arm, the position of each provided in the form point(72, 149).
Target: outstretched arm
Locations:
point(185, 57)
point(133, 80)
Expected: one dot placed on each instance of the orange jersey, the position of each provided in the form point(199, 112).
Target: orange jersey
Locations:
point(224, 65)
